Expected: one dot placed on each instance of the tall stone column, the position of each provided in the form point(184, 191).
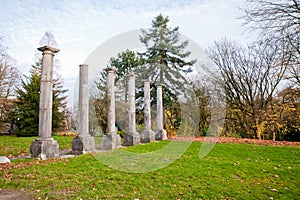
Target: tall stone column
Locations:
point(132, 137)
point(111, 140)
point(45, 146)
point(147, 135)
point(84, 142)
point(160, 133)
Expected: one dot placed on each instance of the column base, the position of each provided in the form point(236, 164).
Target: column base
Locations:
point(147, 136)
point(83, 144)
point(131, 138)
point(111, 141)
point(43, 149)
point(161, 134)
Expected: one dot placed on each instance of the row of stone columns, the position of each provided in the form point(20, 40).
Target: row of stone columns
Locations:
point(46, 147)
point(112, 140)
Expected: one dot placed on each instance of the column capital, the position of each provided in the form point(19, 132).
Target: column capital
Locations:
point(160, 85)
point(131, 75)
point(83, 65)
point(110, 70)
point(146, 80)
point(48, 49)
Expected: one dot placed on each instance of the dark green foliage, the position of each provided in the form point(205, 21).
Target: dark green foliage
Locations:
point(165, 56)
point(26, 113)
point(165, 62)
point(59, 105)
point(125, 63)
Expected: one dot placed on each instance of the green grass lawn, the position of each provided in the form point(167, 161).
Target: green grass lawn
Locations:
point(230, 171)
point(16, 146)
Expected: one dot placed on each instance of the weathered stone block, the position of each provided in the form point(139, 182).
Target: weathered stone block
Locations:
point(131, 138)
point(83, 144)
point(147, 136)
point(161, 134)
point(111, 141)
point(44, 149)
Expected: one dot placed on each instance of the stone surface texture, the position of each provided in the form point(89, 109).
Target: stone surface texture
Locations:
point(45, 146)
point(111, 140)
point(160, 133)
point(131, 137)
point(84, 142)
point(147, 135)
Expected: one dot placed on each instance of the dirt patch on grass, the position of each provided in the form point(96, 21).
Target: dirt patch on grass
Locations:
point(236, 140)
point(8, 194)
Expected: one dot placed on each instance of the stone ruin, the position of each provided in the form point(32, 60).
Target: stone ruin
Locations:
point(46, 147)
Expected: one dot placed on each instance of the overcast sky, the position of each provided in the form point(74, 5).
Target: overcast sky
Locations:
point(80, 26)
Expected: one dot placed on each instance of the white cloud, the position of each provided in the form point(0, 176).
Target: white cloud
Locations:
point(80, 26)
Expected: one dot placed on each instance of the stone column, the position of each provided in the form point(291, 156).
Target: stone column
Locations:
point(147, 135)
point(131, 137)
point(45, 146)
point(160, 133)
point(84, 142)
point(111, 140)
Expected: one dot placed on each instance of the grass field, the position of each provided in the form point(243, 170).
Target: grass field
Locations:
point(12, 146)
point(230, 171)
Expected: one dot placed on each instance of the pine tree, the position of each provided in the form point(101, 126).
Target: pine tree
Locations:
point(165, 56)
point(125, 63)
point(26, 114)
point(165, 62)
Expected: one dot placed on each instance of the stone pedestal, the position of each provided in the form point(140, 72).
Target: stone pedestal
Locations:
point(131, 137)
point(45, 146)
point(111, 140)
point(44, 149)
point(147, 135)
point(160, 133)
point(83, 143)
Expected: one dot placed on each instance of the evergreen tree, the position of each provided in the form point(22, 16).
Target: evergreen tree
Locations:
point(165, 62)
point(165, 56)
point(26, 114)
point(125, 63)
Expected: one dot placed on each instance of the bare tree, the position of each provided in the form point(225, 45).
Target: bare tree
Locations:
point(250, 77)
point(201, 90)
point(9, 78)
point(281, 20)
